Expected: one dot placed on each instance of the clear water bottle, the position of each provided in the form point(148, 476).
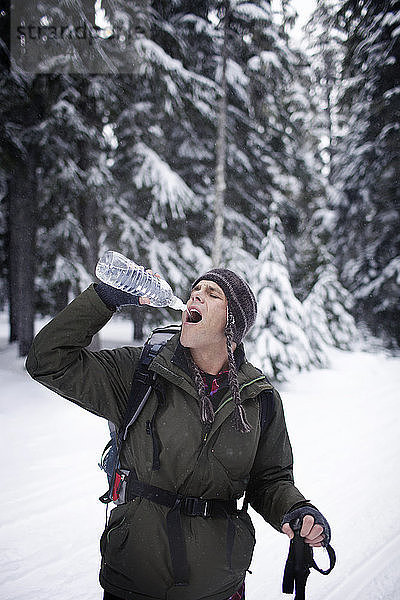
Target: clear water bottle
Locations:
point(121, 273)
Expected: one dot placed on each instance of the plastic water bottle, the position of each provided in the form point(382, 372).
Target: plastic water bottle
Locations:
point(121, 273)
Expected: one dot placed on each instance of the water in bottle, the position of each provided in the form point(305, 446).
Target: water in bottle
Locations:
point(120, 272)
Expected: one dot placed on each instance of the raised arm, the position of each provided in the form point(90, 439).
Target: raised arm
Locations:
point(59, 359)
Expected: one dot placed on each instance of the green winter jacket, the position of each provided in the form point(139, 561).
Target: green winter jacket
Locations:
point(136, 561)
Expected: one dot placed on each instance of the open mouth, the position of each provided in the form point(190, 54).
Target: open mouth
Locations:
point(193, 316)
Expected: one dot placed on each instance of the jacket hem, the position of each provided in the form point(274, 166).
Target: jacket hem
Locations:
point(173, 593)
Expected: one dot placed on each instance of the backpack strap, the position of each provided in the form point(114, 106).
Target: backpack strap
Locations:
point(143, 379)
point(142, 384)
point(267, 412)
point(267, 408)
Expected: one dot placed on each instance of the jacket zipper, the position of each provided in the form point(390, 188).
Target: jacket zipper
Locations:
point(206, 431)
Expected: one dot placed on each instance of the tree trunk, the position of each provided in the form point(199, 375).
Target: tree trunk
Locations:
point(89, 213)
point(89, 219)
point(329, 90)
point(220, 183)
point(12, 312)
point(21, 255)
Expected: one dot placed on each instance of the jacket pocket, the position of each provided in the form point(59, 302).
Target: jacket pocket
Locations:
point(235, 452)
point(116, 532)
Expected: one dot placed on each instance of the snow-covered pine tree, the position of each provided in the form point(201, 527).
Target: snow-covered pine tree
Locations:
point(3, 241)
point(20, 101)
point(164, 148)
point(314, 278)
point(327, 316)
point(220, 159)
point(73, 180)
point(278, 340)
point(325, 51)
point(282, 147)
point(36, 107)
point(246, 175)
point(319, 58)
point(366, 238)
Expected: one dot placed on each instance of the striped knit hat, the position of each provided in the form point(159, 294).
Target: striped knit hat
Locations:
point(242, 311)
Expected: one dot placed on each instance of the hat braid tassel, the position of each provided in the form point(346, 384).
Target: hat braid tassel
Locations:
point(239, 416)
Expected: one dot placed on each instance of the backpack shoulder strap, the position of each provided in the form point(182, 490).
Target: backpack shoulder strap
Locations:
point(142, 383)
point(267, 408)
point(143, 379)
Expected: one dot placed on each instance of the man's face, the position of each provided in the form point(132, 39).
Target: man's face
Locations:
point(204, 321)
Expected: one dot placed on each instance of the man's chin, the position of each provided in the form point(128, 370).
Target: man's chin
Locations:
point(183, 343)
point(189, 338)
point(184, 340)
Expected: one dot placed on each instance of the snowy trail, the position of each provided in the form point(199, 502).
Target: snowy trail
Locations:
point(344, 425)
point(383, 562)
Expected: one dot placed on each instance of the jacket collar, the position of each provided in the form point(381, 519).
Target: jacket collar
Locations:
point(171, 364)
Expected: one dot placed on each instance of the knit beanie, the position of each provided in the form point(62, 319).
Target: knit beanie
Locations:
point(242, 311)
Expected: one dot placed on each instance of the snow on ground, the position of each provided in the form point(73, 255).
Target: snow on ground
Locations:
point(344, 426)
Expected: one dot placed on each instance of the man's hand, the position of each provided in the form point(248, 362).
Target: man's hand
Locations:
point(114, 298)
point(314, 527)
point(312, 534)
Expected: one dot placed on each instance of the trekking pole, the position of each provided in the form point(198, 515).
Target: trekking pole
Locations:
point(299, 562)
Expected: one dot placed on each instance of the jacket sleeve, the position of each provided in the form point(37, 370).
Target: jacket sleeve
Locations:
point(271, 490)
point(97, 381)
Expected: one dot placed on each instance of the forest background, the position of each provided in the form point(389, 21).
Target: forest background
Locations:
point(187, 134)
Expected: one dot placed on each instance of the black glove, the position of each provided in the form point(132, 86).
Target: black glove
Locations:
point(300, 559)
point(319, 519)
point(113, 298)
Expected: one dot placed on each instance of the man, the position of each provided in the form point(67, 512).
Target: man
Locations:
point(211, 430)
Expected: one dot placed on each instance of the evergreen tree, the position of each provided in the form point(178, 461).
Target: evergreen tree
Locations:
point(327, 318)
point(56, 172)
point(325, 49)
point(220, 168)
point(320, 73)
point(21, 105)
point(164, 145)
point(282, 147)
point(278, 338)
point(3, 241)
point(73, 180)
point(366, 238)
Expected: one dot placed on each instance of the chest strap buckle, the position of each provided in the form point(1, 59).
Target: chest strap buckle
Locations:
point(196, 507)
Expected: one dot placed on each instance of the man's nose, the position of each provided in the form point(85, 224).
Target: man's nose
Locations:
point(198, 295)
